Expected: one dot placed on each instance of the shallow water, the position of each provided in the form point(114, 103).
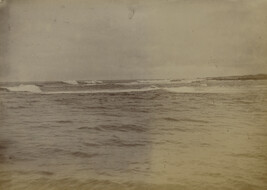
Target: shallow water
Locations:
point(202, 134)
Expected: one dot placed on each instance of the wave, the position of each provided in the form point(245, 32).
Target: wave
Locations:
point(128, 83)
point(83, 154)
point(204, 89)
point(162, 81)
point(24, 88)
point(184, 89)
point(103, 91)
point(156, 81)
point(72, 82)
point(75, 183)
point(187, 81)
point(165, 81)
point(93, 82)
point(204, 84)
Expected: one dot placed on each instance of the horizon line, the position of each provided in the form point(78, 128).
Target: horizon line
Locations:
point(207, 77)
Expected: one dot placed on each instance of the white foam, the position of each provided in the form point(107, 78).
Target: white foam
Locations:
point(167, 81)
point(188, 81)
point(72, 82)
point(128, 83)
point(25, 88)
point(162, 81)
point(204, 89)
point(204, 85)
point(102, 91)
point(139, 82)
point(93, 82)
point(159, 81)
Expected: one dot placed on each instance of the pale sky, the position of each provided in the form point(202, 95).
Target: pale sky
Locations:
point(131, 39)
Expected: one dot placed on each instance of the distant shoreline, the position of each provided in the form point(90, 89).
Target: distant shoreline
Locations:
point(242, 77)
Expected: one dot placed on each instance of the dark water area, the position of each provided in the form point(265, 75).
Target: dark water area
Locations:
point(145, 134)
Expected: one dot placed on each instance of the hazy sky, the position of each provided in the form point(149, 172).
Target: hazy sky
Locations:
point(127, 39)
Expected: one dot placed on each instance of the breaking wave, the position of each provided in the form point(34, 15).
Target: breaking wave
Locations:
point(103, 91)
point(72, 82)
point(139, 82)
point(200, 89)
point(128, 83)
point(93, 82)
point(162, 81)
point(24, 88)
point(187, 81)
point(203, 89)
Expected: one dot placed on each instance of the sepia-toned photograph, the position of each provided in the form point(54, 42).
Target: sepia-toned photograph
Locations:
point(133, 94)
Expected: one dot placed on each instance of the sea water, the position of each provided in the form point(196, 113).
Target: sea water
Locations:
point(138, 134)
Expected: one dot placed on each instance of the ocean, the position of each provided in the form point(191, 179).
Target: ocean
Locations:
point(201, 134)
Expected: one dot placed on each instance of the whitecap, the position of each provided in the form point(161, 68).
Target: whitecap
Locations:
point(204, 84)
point(188, 81)
point(103, 91)
point(72, 82)
point(204, 89)
point(24, 88)
point(93, 82)
point(128, 83)
point(156, 81)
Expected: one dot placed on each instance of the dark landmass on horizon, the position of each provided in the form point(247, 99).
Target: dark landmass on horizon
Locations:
point(241, 77)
